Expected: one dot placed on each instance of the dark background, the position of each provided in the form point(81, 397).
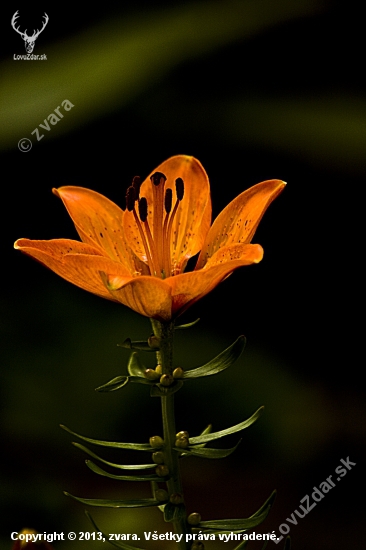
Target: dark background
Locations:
point(255, 91)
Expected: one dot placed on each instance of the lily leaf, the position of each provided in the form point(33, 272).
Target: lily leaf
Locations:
point(241, 524)
point(114, 384)
point(206, 452)
point(94, 468)
point(117, 544)
point(268, 503)
point(235, 525)
point(135, 366)
point(108, 503)
point(112, 464)
point(187, 325)
point(121, 381)
point(112, 444)
point(237, 428)
point(221, 362)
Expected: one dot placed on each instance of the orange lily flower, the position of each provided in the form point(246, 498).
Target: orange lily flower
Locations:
point(137, 256)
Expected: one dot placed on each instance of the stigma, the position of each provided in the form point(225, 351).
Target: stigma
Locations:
point(155, 221)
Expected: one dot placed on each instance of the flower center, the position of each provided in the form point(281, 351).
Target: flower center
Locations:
point(156, 240)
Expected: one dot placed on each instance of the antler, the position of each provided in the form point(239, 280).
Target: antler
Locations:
point(22, 34)
point(37, 33)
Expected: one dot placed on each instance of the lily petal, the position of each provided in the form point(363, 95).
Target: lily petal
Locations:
point(238, 222)
point(77, 262)
point(248, 253)
point(146, 295)
point(193, 217)
point(98, 222)
point(188, 288)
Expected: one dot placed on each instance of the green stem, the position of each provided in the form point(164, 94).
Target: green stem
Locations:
point(165, 333)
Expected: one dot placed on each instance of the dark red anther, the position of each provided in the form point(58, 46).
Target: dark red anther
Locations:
point(143, 209)
point(168, 200)
point(179, 187)
point(157, 177)
point(130, 198)
point(136, 184)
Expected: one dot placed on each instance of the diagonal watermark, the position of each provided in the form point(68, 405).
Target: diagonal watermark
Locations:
point(317, 495)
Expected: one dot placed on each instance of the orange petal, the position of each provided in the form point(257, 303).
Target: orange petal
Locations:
point(248, 253)
point(148, 296)
point(237, 223)
point(78, 263)
point(98, 222)
point(193, 218)
point(187, 288)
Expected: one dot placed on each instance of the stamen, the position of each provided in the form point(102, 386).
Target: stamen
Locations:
point(156, 243)
point(157, 178)
point(166, 244)
point(143, 216)
point(168, 200)
point(130, 198)
point(143, 209)
point(179, 187)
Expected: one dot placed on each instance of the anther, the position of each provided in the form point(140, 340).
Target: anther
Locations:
point(136, 184)
point(130, 198)
point(157, 177)
point(143, 209)
point(179, 186)
point(168, 200)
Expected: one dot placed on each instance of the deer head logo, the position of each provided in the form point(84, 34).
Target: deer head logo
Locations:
point(28, 40)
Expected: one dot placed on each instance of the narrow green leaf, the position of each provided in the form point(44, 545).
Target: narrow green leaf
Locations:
point(174, 512)
point(187, 325)
point(122, 545)
point(287, 543)
point(269, 502)
point(235, 524)
point(114, 384)
point(207, 430)
point(221, 362)
point(237, 428)
point(112, 464)
point(121, 381)
point(206, 452)
point(108, 503)
point(94, 468)
point(135, 366)
point(112, 444)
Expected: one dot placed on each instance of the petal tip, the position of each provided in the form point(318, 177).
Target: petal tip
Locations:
point(56, 192)
point(17, 244)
